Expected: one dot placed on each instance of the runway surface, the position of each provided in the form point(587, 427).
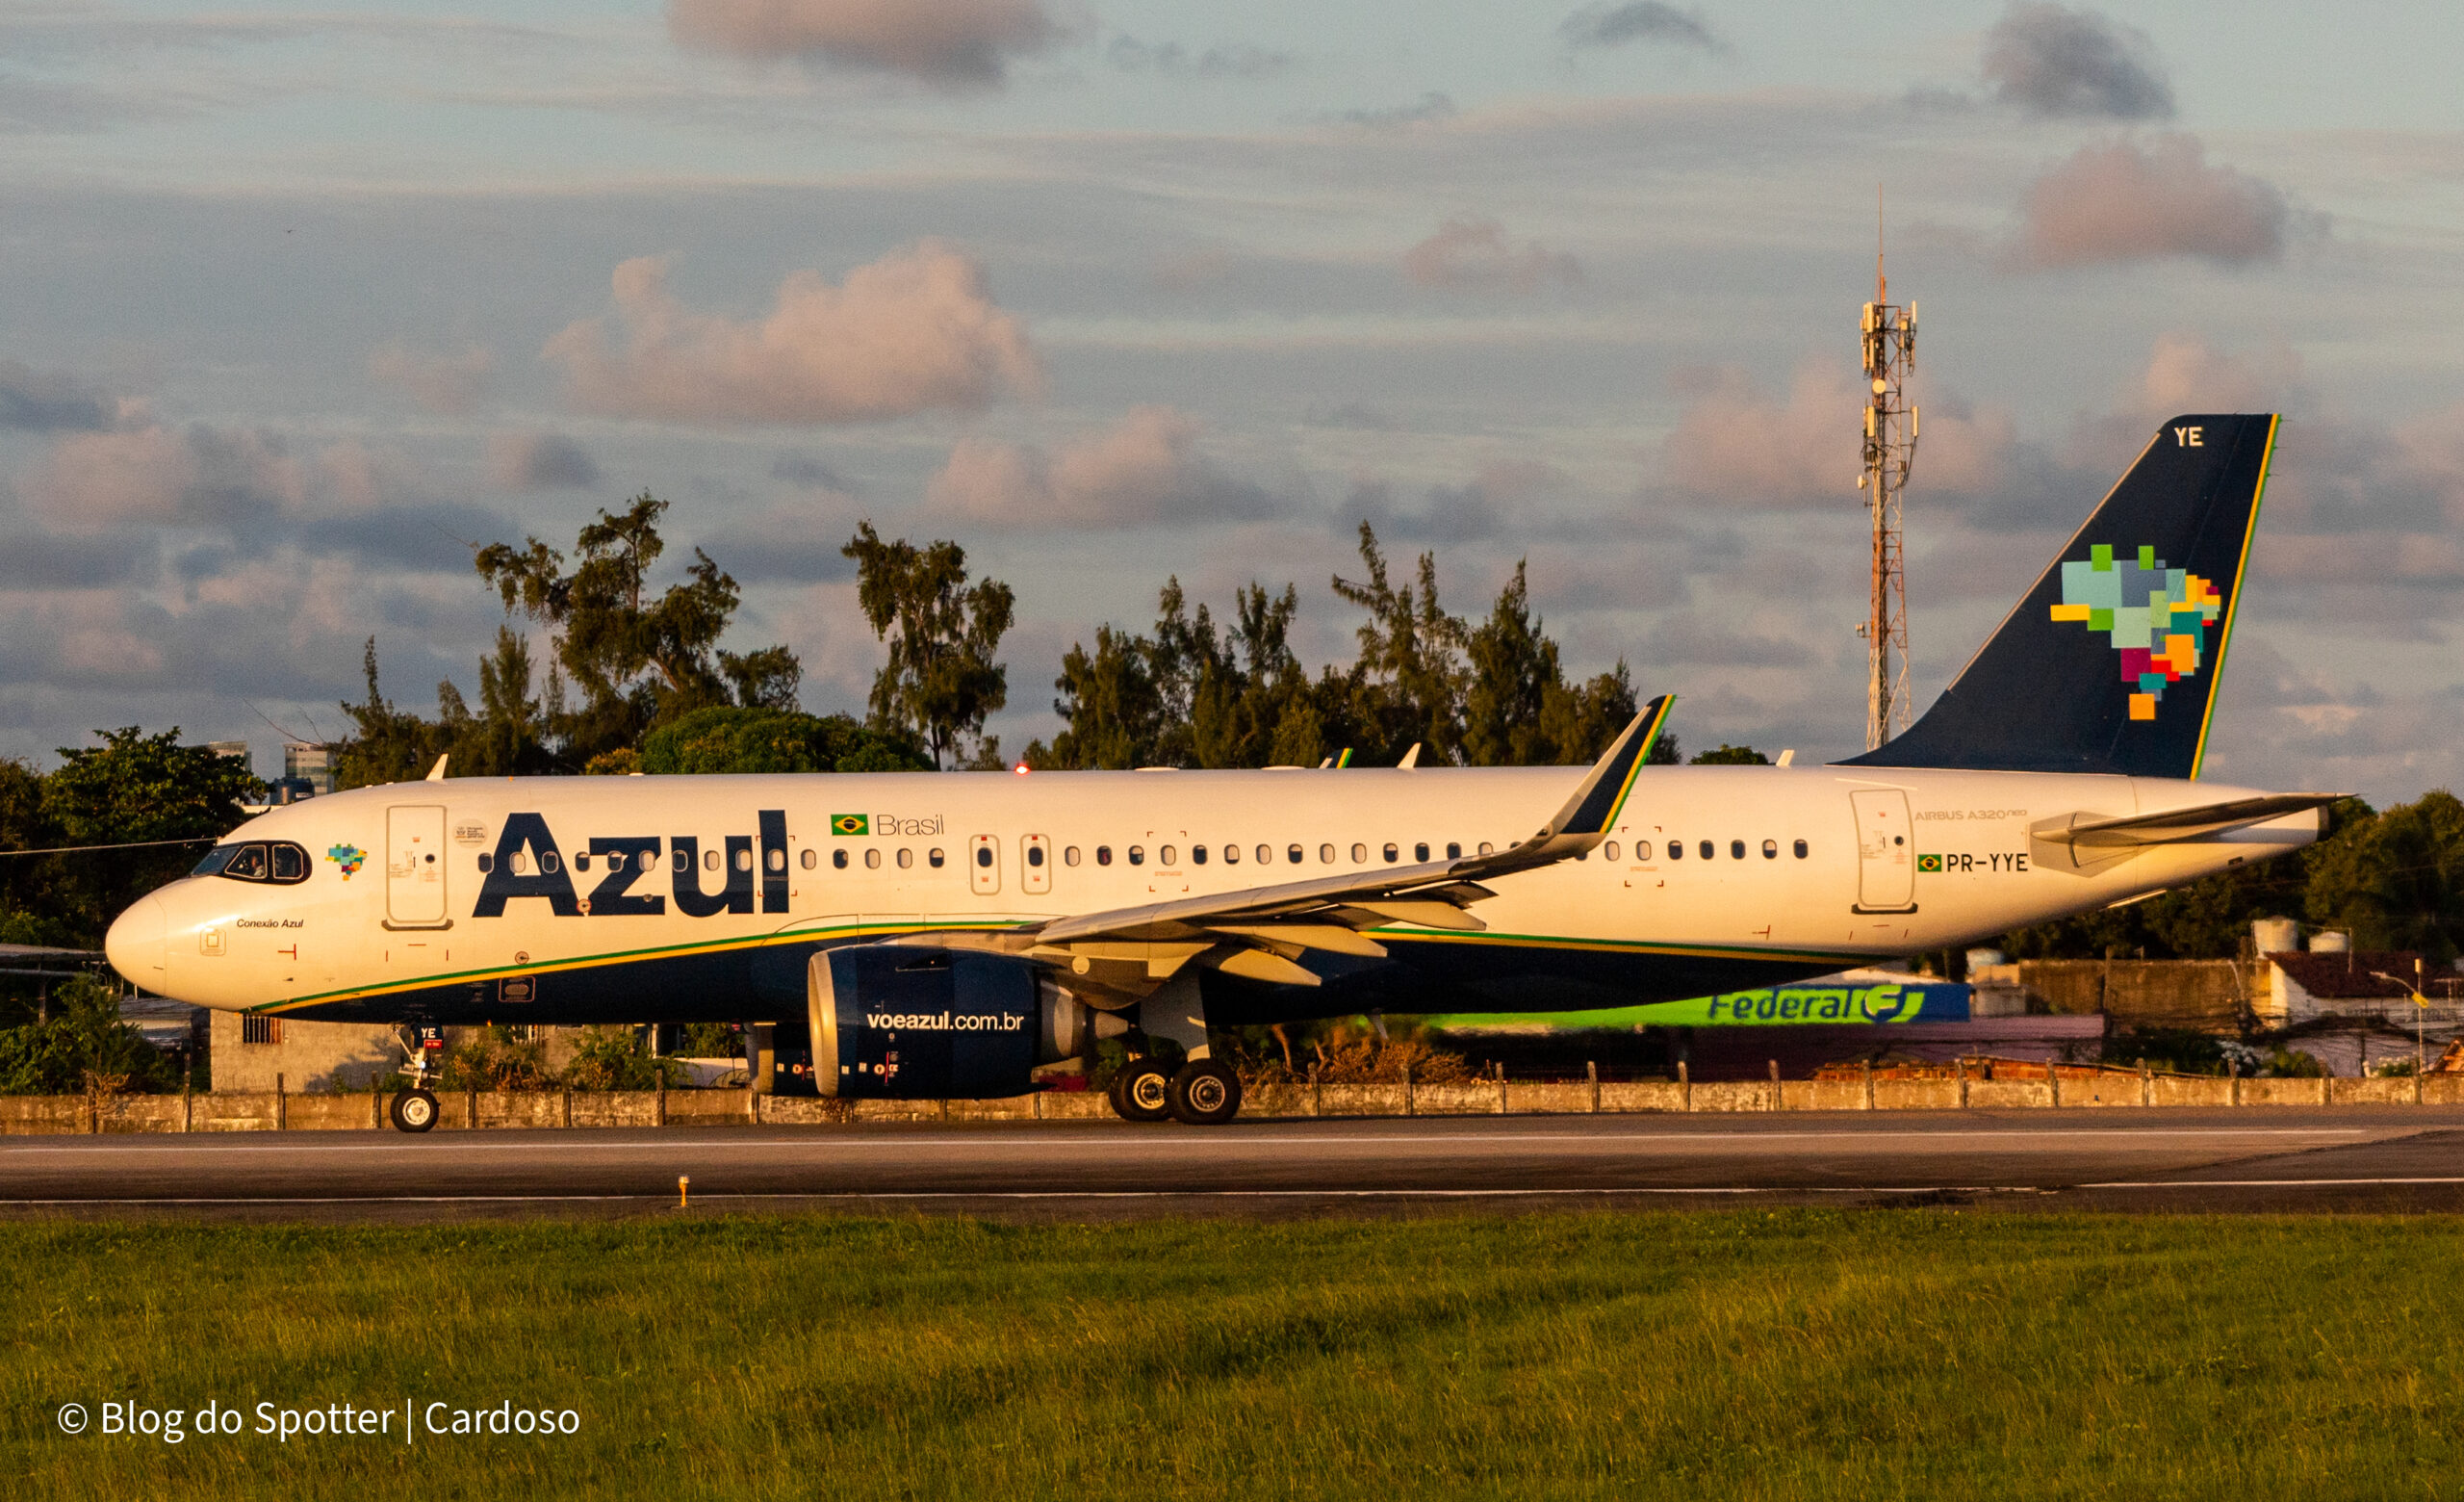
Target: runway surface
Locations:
point(2356, 1159)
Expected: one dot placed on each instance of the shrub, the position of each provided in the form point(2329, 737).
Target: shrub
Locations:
point(84, 1046)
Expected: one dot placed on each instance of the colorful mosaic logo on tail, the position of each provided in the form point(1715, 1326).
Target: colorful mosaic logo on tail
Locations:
point(2156, 617)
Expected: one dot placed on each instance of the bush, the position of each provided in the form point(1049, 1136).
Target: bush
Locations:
point(83, 1046)
point(612, 1058)
point(493, 1059)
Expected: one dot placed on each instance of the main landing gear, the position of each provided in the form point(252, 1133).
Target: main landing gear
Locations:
point(1201, 1092)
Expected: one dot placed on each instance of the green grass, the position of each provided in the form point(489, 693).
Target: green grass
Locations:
point(1784, 1354)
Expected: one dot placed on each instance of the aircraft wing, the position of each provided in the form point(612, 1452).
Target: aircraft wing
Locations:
point(1267, 927)
point(2175, 825)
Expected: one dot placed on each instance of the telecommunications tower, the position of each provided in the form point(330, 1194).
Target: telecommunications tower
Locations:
point(1889, 340)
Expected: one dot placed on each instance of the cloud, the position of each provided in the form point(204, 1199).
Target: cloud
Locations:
point(953, 43)
point(1485, 507)
point(1732, 443)
point(449, 383)
point(2127, 202)
point(1170, 59)
point(794, 543)
point(1432, 106)
point(1146, 469)
point(34, 561)
point(1470, 253)
point(47, 401)
point(2051, 60)
point(196, 476)
point(1641, 20)
point(912, 331)
point(539, 461)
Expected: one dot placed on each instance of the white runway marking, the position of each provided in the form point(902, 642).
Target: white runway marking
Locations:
point(1258, 1194)
point(1883, 1139)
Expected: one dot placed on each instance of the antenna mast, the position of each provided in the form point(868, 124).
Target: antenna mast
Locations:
point(1889, 342)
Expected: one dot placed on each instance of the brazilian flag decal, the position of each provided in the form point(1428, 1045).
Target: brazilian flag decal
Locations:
point(848, 824)
point(1929, 863)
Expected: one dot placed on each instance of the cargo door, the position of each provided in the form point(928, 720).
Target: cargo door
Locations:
point(1035, 865)
point(415, 866)
point(984, 866)
point(1885, 865)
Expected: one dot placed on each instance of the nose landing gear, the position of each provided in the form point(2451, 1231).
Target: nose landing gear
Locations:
point(415, 1108)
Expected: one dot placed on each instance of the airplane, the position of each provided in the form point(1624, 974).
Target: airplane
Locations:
point(960, 935)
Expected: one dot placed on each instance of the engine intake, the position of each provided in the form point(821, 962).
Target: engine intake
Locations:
point(906, 1021)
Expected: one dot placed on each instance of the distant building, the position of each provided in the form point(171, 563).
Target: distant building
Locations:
point(236, 750)
point(309, 764)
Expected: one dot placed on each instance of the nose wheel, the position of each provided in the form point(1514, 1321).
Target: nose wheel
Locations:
point(413, 1110)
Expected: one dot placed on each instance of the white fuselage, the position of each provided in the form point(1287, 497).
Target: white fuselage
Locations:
point(1807, 868)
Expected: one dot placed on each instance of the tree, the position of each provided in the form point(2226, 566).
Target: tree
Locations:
point(639, 661)
point(2398, 881)
point(83, 1044)
point(133, 788)
point(1189, 695)
point(1519, 710)
point(1408, 685)
point(1730, 756)
point(942, 678)
point(724, 738)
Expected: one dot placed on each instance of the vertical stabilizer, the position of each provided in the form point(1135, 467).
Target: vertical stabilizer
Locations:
point(2110, 664)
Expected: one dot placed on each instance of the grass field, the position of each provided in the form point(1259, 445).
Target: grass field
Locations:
point(1784, 1354)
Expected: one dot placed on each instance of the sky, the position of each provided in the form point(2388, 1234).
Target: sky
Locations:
point(300, 305)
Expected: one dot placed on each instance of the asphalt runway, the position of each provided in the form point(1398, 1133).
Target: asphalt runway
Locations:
point(2249, 1160)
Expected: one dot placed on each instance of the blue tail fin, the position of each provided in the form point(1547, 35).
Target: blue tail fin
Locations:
point(2110, 664)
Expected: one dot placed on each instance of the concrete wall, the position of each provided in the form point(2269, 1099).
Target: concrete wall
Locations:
point(311, 1055)
point(2201, 993)
point(364, 1110)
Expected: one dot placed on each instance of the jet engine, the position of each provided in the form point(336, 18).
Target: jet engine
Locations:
point(912, 1021)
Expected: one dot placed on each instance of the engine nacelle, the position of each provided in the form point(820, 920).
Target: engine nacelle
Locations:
point(908, 1021)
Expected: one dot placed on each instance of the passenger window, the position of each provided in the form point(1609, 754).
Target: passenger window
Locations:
point(582, 860)
point(1103, 855)
point(1420, 852)
point(488, 863)
point(709, 860)
point(1070, 856)
point(1707, 849)
point(247, 864)
point(1609, 850)
point(838, 860)
point(1453, 851)
point(771, 860)
point(1137, 855)
point(1035, 857)
point(519, 863)
point(906, 859)
point(1292, 855)
point(1676, 849)
point(809, 859)
point(1487, 848)
point(1197, 853)
point(1169, 856)
point(650, 859)
point(932, 858)
point(873, 858)
point(1770, 849)
point(1360, 855)
point(743, 861)
point(1391, 852)
point(1801, 849)
point(1736, 849)
point(683, 862)
point(1326, 855)
point(1231, 855)
point(551, 863)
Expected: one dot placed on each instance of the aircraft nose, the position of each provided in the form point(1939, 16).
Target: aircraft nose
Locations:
point(135, 944)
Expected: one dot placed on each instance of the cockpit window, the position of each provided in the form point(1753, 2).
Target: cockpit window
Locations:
point(280, 861)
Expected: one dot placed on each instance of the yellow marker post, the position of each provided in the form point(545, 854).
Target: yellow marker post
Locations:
point(683, 1185)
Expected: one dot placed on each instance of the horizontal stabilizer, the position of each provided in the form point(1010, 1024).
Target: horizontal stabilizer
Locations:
point(2173, 826)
